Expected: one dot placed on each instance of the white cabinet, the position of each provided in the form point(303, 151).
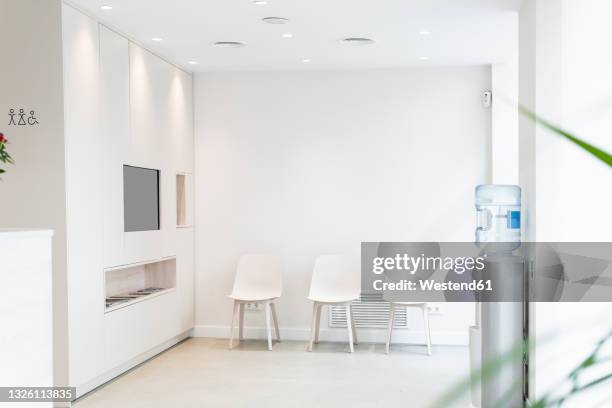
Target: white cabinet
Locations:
point(149, 90)
point(123, 106)
point(84, 180)
point(152, 146)
point(161, 112)
point(115, 136)
point(181, 120)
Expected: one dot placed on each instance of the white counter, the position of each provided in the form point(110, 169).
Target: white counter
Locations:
point(26, 335)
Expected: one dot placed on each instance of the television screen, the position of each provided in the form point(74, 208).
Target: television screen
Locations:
point(140, 199)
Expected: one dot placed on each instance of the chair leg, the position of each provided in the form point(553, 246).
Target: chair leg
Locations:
point(241, 323)
point(275, 319)
point(390, 326)
point(231, 339)
point(313, 325)
point(318, 324)
point(349, 326)
point(268, 325)
point(353, 326)
point(427, 331)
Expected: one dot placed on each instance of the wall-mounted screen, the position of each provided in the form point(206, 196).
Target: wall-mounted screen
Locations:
point(140, 199)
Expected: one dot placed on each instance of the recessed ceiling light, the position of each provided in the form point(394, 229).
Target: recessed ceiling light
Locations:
point(287, 35)
point(424, 32)
point(156, 39)
point(229, 44)
point(106, 7)
point(193, 62)
point(275, 20)
point(306, 60)
point(260, 2)
point(423, 58)
point(357, 41)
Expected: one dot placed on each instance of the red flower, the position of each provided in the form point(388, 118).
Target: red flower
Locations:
point(2, 138)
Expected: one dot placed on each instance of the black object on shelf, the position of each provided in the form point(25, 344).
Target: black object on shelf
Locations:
point(119, 299)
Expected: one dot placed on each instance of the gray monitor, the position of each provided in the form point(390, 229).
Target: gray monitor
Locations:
point(140, 199)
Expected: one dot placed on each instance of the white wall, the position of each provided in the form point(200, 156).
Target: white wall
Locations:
point(504, 115)
point(33, 190)
point(306, 163)
point(504, 122)
point(566, 78)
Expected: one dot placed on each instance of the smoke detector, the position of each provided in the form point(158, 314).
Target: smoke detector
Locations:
point(275, 20)
point(229, 44)
point(357, 41)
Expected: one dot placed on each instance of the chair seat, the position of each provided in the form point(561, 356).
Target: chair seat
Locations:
point(251, 297)
point(333, 299)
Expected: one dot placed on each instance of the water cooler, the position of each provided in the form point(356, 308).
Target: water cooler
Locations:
point(500, 320)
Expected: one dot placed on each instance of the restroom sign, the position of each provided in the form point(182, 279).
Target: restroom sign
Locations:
point(22, 117)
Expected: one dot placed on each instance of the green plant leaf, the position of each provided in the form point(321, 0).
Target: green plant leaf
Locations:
point(595, 151)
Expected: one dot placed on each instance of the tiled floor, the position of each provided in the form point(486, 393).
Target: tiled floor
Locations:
point(203, 373)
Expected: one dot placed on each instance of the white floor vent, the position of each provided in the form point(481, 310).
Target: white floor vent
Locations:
point(370, 311)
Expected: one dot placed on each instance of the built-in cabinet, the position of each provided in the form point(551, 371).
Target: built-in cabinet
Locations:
point(115, 128)
point(123, 106)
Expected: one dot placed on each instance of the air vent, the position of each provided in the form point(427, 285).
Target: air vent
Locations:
point(357, 41)
point(229, 44)
point(370, 311)
point(275, 20)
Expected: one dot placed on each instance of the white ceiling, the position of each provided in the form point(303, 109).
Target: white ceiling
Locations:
point(462, 31)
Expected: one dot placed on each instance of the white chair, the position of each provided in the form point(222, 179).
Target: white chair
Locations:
point(258, 280)
point(391, 249)
point(334, 282)
point(425, 311)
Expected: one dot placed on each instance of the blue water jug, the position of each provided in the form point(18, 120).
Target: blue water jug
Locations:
point(498, 209)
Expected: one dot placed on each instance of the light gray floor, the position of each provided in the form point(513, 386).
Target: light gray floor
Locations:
point(203, 373)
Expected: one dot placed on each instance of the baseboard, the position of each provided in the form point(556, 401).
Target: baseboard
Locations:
point(446, 338)
point(89, 386)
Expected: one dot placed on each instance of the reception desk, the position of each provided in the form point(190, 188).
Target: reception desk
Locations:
point(26, 338)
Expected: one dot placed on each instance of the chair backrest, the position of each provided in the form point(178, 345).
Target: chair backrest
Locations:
point(258, 276)
point(335, 277)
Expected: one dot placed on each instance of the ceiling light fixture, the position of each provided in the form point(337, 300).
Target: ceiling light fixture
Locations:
point(424, 32)
point(287, 35)
point(229, 44)
point(423, 58)
point(275, 20)
point(357, 41)
point(156, 39)
point(106, 7)
point(193, 62)
point(306, 60)
point(260, 2)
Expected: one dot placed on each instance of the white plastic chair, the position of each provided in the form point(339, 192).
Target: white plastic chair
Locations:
point(334, 282)
point(258, 280)
point(427, 249)
point(425, 311)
